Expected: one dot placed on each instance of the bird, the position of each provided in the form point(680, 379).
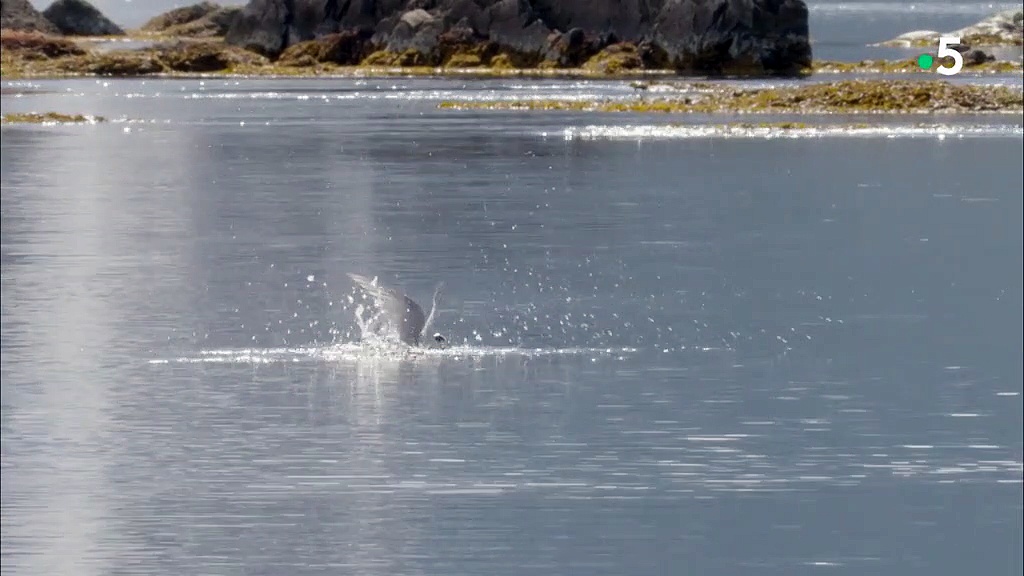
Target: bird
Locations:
point(402, 313)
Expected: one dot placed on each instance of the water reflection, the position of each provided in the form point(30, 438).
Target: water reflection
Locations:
point(714, 352)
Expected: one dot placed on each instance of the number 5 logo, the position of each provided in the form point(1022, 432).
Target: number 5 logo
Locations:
point(945, 50)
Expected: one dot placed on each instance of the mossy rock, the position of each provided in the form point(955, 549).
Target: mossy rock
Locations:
point(502, 62)
point(615, 59)
point(412, 58)
point(345, 49)
point(850, 96)
point(380, 58)
point(511, 59)
point(120, 63)
point(464, 61)
point(196, 58)
point(37, 46)
point(461, 40)
point(48, 118)
point(299, 61)
point(301, 54)
point(206, 56)
point(390, 59)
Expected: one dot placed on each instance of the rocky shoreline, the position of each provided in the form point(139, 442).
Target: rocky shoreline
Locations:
point(736, 37)
point(436, 37)
point(206, 39)
point(38, 55)
point(843, 97)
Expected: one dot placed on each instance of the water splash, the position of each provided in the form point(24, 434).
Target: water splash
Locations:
point(380, 350)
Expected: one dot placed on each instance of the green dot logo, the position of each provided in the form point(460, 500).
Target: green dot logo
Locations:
point(925, 61)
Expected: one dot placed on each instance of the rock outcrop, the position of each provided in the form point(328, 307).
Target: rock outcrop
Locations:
point(701, 36)
point(33, 45)
point(203, 20)
point(1001, 29)
point(20, 15)
point(80, 18)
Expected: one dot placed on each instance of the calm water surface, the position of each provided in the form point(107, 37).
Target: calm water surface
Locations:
point(671, 355)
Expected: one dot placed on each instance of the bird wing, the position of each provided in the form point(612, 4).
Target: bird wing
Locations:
point(402, 312)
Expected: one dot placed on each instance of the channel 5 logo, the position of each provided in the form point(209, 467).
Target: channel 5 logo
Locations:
point(925, 61)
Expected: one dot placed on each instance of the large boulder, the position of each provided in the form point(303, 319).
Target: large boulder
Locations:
point(179, 16)
point(734, 35)
point(742, 36)
point(203, 20)
point(20, 15)
point(80, 18)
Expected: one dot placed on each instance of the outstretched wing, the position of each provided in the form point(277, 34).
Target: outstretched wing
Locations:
point(399, 310)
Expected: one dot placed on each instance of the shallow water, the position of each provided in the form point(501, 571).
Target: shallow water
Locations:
point(674, 348)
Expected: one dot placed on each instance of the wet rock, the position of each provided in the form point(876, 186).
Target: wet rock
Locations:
point(80, 18)
point(21, 15)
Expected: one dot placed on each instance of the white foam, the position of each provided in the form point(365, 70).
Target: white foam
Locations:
point(693, 131)
point(354, 352)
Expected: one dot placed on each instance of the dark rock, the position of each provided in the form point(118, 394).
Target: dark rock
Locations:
point(653, 56)
point(415, 30)
point(461, 47)
point(263, 27)
point(734, 36)
point(20, 15)
point(200, 57)
point(976, 57)
point(345, 48)
point(80, 18)
point(572, 48)
point(515, 26)
point(703, 36)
